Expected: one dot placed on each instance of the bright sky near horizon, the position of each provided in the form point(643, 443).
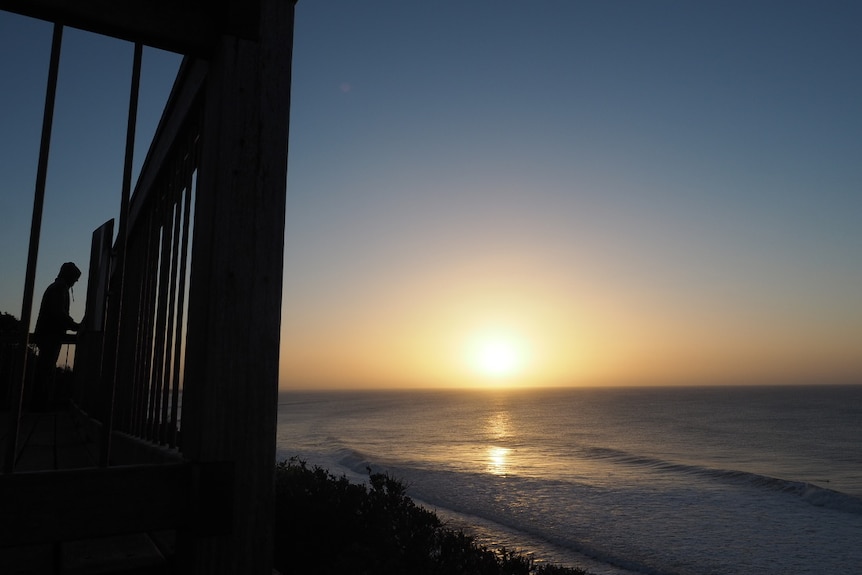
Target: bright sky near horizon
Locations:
point(536, 193)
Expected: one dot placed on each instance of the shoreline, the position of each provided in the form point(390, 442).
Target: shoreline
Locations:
point(496, 536)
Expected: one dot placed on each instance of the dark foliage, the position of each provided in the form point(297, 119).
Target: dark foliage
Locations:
point(327, 525)
point(9, 324)
point(11, 333)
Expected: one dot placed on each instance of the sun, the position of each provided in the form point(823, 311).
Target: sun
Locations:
point(497, 355)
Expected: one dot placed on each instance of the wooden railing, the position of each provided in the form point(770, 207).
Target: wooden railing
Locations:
point(149, 339)
point(186, 361)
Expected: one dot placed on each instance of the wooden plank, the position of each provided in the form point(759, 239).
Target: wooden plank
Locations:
point(51, 440)
point(231, 379)
point(135, 554)
point(27, 425)
point(37, 446)
point(129, 554)
point(125, 449)
point(29, 560)
point(45, 506)
point(74, 449)
point(182, 26)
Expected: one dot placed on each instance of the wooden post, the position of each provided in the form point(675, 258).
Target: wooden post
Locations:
point(231, 378)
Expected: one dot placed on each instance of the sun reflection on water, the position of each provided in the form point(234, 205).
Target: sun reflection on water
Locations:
point(498, 428)
point(498, 460)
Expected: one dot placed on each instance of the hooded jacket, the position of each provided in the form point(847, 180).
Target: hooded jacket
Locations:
point(54, 319)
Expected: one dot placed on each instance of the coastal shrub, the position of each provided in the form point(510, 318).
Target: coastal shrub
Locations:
point(326, 524)
point(11, 331)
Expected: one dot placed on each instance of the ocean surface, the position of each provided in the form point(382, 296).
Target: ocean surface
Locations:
point(738, 480)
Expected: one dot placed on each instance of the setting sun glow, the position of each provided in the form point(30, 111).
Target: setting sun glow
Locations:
point(497, 355)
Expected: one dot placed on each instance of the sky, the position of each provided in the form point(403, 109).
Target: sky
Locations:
point(489, 193)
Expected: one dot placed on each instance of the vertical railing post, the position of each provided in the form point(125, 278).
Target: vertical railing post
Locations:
point(33, 254)
point(189, 165)
point(166, 213)
point(170, 351)
point(115, 300)
point(231, 379)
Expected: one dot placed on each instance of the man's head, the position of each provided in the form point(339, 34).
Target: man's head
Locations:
point(69, 273)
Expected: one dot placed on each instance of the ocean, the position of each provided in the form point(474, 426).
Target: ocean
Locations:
point(619, 481)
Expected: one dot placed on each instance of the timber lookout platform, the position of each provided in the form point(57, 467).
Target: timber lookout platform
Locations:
point(63, 440)
point(162, 460)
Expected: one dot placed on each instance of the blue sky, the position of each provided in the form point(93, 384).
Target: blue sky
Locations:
point(640, 192)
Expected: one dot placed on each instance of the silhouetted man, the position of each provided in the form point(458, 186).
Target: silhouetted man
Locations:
point(51, 325)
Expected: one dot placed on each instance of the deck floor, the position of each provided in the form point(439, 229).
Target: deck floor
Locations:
point(52, 441)
point(48, 441)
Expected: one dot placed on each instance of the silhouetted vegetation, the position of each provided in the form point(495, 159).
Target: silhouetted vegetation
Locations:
point(325, 524)
point(11, 333)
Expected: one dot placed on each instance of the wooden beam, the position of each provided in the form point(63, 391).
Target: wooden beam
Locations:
point(184, 26)
point(48, 506)
point(231, 380)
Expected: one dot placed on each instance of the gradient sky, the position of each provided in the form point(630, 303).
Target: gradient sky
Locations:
point(635, 192)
